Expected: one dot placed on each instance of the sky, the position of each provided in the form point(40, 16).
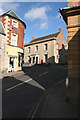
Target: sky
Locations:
point(41, 18)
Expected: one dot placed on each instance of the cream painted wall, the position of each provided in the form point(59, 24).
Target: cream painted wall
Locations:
point(51, 51)
point(12, 51)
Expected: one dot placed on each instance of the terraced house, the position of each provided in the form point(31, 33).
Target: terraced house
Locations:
point(51, 48)
point(14, 41)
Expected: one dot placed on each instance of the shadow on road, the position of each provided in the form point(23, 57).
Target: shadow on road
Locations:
point(18, 101)
point(46, 75)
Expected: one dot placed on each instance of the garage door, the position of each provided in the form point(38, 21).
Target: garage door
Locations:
point(0, 61)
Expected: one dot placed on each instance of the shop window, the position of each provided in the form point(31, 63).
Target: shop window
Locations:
point(11, 62)
point(19, 60)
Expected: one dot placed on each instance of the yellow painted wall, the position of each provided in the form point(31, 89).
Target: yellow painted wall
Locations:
point(12, 51)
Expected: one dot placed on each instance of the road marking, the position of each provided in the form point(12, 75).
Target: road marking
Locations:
point(18, 85)
point(42, 73)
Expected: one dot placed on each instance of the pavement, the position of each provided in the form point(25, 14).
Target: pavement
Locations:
point(2, 75)
point(54, 104)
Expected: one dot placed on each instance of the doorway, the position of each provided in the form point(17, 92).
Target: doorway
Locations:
point(33, 59)
point(45, 58)
point(36, 60)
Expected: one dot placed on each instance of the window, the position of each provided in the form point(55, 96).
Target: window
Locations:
point(29, 59)
point(15, 24)
point(36, 48)
point(45, 47)
point(14, 40)
point(20, 60)
point(45, 58)
point(28, 49)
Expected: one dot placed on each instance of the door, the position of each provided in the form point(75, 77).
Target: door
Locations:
point(45, 58)
point(33, 59)
point(36, 60)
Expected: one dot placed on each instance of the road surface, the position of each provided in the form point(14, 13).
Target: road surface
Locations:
point(21, 91)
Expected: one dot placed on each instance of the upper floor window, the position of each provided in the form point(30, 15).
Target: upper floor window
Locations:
point(28, 49)
point(14, 39)
point(36, 48)
point(15, 23)
point(45, 47)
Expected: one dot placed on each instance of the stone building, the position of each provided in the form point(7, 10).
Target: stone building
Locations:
point(71, 15)
point(14, 41)
point(2, 46)
point(46, 49)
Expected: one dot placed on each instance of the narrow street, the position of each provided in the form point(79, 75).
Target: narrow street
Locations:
point(21, 91)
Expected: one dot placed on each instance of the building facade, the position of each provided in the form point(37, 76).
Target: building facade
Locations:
point(45, 49)
point(71, 16)
point(14, 41)
point(2, 46)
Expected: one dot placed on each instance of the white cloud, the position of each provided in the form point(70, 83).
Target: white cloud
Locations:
point(44, 25)
point(10, 5)
point(37, 13)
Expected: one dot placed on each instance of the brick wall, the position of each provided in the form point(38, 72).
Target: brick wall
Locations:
point(19, 31)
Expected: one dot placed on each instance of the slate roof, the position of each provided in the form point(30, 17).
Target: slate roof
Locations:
point(13, 14)
point(43, 38)
point(2, 29)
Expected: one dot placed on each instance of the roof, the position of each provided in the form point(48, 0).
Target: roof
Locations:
point(2, 29)
point(43, 38)
point(11, 13)
point(64, 11)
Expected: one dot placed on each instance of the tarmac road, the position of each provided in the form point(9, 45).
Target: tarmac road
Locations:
point(21, 91)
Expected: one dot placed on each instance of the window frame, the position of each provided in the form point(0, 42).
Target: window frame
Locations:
point(36, 48)
point(16, 26)
point(29, 49)
point(12, 34)
point(46, 46)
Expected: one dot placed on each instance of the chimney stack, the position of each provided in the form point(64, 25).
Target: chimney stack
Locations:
point(33, 37)
point(60, 29)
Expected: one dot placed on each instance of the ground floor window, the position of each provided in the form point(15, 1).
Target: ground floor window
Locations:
point(33, 59)
point(20, 60)
point(11, 62)
point(29, 59)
